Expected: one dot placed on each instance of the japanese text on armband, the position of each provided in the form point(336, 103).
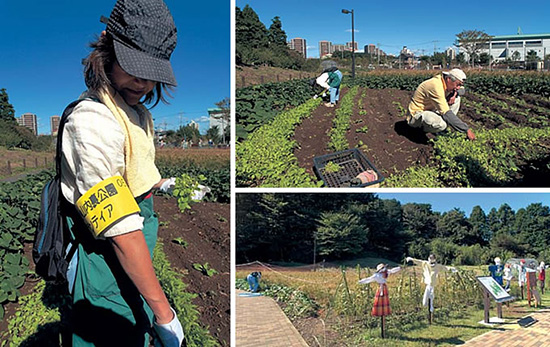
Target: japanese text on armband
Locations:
point(106, 203)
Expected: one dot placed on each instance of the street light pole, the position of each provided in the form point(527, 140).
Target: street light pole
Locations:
point(352, 42)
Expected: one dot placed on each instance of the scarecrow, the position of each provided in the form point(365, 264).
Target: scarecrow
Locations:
point(381, 306)
point(497, 271)
point(430, 271)
point(522, 276)
point(532, 291)
point(542, 276)
point(508, 276)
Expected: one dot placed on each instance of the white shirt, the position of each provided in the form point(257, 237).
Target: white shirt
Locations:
point(378, 277)
point(93, 150)
point(323, 80)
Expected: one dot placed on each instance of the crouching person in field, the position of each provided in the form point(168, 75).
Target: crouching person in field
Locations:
point(254, 281)
point(436, 102)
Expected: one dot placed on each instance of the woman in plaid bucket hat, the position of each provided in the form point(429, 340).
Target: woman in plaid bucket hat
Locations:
point(381, 306)
point(108, 137)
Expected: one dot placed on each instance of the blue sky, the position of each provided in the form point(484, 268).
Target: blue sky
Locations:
point(44, 42)
point(415, 24)
point(445, 201)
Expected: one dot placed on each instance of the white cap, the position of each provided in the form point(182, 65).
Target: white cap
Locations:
point(457, 73)
point(497, 260)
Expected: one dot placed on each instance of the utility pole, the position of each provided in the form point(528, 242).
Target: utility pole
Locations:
point(378, 44)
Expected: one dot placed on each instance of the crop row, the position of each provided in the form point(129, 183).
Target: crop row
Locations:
point(257, 105)
point(266, 158)
point(482, 82)
point(19, 209)
point(341, 123)
point(491, 160)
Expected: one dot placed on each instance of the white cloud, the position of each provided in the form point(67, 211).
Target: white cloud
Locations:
point(349, 31)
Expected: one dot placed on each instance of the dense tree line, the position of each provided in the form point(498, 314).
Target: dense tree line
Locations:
point(14, 136)
point(298, 227)
point(257, 45)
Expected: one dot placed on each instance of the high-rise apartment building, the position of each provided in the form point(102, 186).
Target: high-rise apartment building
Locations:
point(54, 124)
point(299, 45)
point(28, 120)
point(325, 48)
point(338, 48)
point(371, 49)
point(349, 46)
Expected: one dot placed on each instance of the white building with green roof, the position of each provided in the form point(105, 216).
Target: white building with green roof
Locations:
point(502, 47)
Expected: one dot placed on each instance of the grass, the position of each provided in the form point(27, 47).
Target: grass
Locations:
point(23, 161)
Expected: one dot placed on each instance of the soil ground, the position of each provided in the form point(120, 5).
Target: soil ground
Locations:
point(206, 229)
point(381, 132)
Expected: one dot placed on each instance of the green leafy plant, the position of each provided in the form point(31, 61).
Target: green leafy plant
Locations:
point(362, 129)
point(180, 241)
point(184, 189)
point(205, 269)
point(332, 167)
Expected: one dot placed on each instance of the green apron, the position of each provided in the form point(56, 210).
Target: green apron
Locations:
point(107, 308)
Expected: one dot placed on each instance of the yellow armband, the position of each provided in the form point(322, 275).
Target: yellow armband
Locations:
point(106, 203)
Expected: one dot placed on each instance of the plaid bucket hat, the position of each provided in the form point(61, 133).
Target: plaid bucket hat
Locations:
point(144, 36)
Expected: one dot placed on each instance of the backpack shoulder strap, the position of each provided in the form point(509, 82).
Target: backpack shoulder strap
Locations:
point(66, 113)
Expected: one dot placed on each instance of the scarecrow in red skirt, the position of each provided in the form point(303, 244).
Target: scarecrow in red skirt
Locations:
point(381, 307)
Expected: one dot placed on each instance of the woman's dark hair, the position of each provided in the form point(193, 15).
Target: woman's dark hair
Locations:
point(99, 64)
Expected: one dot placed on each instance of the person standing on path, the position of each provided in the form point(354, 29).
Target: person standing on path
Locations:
point(436, 102)
point(108, 158)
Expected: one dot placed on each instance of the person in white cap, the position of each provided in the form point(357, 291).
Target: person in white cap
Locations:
point(430, 272)
point(436, 102)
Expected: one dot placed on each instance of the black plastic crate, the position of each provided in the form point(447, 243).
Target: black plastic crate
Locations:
point(351, 161)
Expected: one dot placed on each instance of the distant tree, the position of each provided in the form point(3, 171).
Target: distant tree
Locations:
point(224, 115)
point(7, 112)
point(419, 221)
point(439, 58)
point(516, 56)
point(532, 56)
point(187, 133)
point(480, 225)
point(460, 58)
point(533, 225)
point(213, 134)
point(484, 59)
point(276, 36)
point(250, 34)
point(339, 235)
point(454, 226)
point(472, 42)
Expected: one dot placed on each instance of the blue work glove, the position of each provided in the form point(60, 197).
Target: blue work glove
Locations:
point(170, 334)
